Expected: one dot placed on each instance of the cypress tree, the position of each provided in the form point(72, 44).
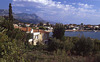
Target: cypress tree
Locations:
point(10, 13)
point(10, 24)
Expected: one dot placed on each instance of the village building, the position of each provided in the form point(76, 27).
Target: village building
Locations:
point(37, 34)
point(15, 25)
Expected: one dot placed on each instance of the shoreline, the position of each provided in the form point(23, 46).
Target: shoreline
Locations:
point(77, 31)
point(83, 30)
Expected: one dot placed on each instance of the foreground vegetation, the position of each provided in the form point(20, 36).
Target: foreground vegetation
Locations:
point(14, 46)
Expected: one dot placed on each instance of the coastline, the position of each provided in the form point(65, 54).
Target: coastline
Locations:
point(77, 30)
point(83, 30)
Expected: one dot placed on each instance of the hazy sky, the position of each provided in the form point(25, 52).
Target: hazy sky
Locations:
point(63, 11)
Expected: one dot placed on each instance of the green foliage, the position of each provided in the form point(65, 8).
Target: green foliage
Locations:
point(23, 25)
point(10, 21)
point(3, 30)
point(96, 46)
point(7, 24)
point(9, 49)
point(47, 24)
point(14, 46)
point(1, 19)
point(43, 28)
point(40, 24)
point(97, 58)
point(54, 44)
point(63, 38)
point(75, 45)
point(58, 31)
point(68, 45)
point(34, 27)
point(10, 13)
point(84, 46)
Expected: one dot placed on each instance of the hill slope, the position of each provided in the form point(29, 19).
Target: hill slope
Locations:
point(23, 17)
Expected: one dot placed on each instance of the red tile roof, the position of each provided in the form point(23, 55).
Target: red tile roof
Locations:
point(41, 31)
point(28, 29)
point(23, 29)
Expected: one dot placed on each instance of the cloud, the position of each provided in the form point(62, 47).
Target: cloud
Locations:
point(28, 10)
point(20, 5)
point(85, 5)
point(56, 11)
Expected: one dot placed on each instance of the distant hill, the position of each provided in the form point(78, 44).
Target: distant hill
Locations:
point(23, 17)
point(4, 12)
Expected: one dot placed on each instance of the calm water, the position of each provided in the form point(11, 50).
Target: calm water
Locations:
point(95, 35)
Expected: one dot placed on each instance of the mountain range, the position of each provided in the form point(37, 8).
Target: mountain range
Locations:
point(23, 17)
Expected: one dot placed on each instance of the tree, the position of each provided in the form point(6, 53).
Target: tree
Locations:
point(68, 45)
point(47, 24)
point(96, 46)
point(10, 13)
point(84, 46)
point(10, 18)
point(41, 24)
point(54, 44)
point(58, 31)
point(43, 28)
point(97, 58)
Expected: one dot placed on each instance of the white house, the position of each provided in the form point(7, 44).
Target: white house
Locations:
point(38, 36)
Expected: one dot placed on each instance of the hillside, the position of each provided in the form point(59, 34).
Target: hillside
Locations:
point(23, 17)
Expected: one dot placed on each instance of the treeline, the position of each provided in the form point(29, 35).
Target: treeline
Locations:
point(67, 49)
point(75, 45)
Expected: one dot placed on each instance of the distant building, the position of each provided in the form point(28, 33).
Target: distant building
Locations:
point(27, 25)
point(81, 26)
point(15, 25)
point(76, 28)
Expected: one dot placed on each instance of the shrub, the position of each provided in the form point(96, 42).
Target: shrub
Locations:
point(43, 28)
point(97, 58)
point(84, 46)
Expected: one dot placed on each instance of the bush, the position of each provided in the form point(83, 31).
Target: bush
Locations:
point(96, 46)
point(43, 28)
point(54, 44)
point(68, 45)
point(97, 58)
point(84, 46)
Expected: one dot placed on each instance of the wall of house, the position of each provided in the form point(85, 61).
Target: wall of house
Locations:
point(44, 36)
point(36, 37)
point(39, 37)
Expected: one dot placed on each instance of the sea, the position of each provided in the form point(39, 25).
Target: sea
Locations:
point(91, 34)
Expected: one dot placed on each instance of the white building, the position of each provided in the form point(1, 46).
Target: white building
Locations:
point(39, 36)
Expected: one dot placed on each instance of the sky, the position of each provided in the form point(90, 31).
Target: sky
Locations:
point(61, 11)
